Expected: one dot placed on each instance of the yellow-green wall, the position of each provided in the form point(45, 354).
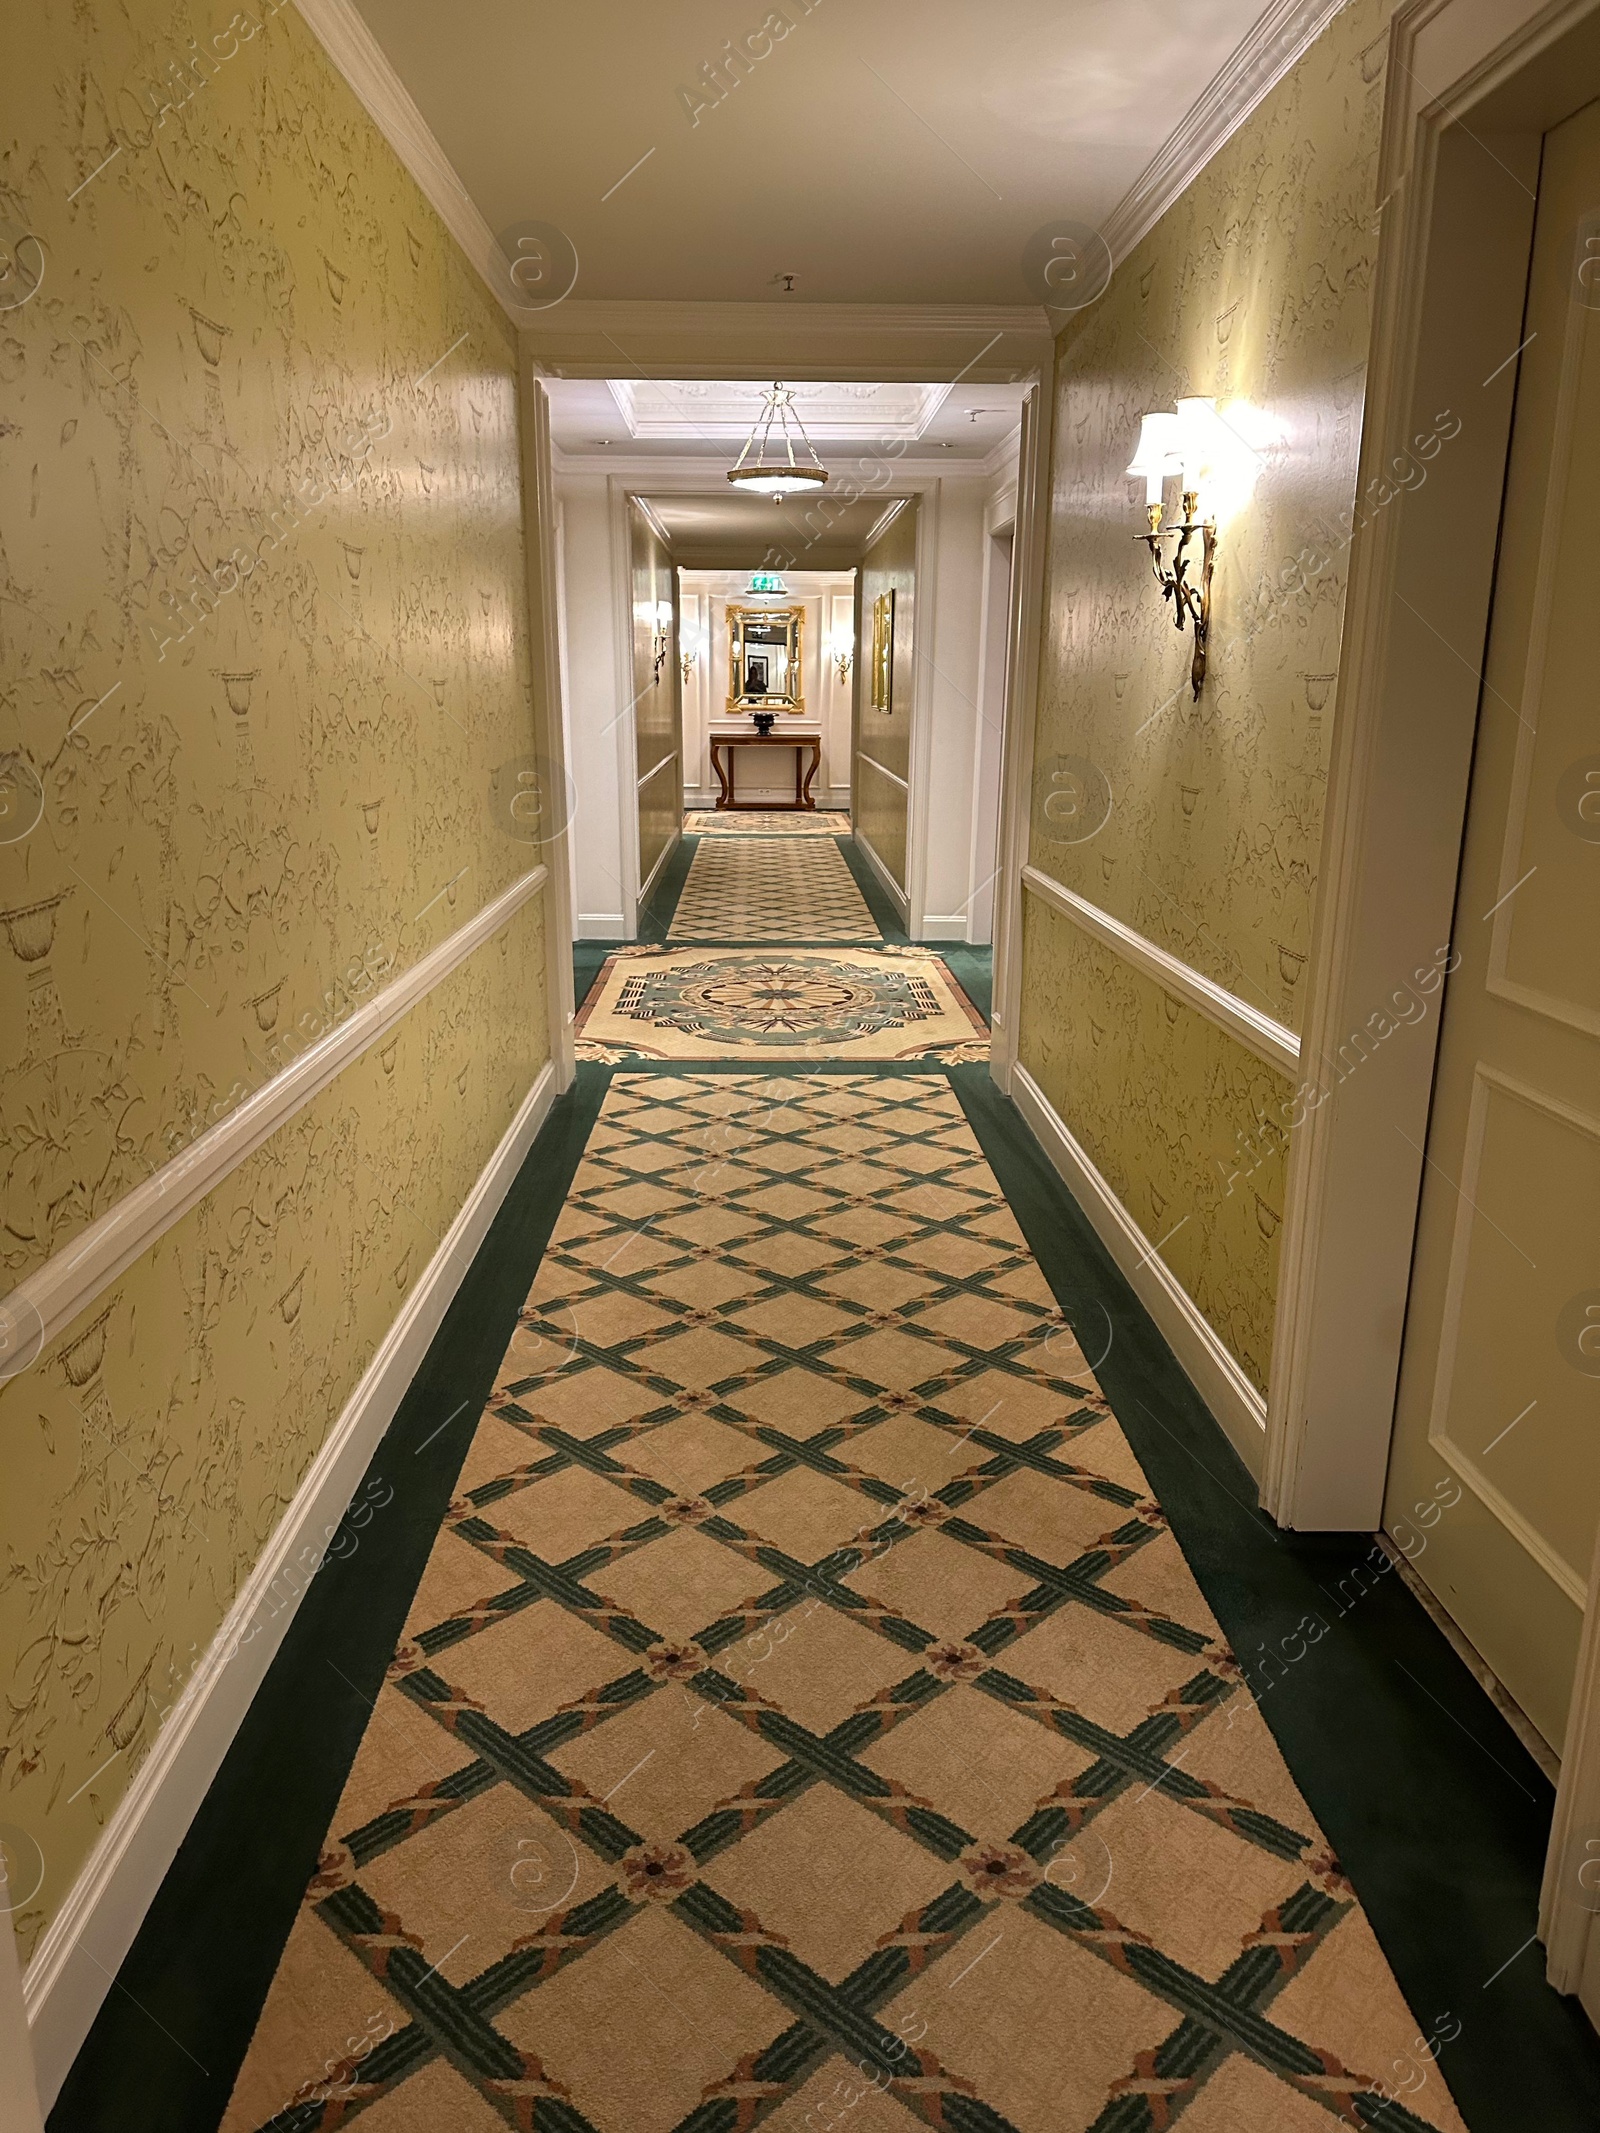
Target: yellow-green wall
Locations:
point(657, 702)
point(1253, 288)
point(266, 780)
point(883, 738)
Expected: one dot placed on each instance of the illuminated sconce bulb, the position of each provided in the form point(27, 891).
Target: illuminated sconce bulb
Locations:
point(1156, 455)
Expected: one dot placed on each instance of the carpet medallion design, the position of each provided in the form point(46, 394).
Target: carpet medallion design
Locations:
point(771, 889)
point(806, 1715)
point(758, 822)
point(894, 1003)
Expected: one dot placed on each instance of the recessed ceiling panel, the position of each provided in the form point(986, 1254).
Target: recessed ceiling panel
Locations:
point(840, 413)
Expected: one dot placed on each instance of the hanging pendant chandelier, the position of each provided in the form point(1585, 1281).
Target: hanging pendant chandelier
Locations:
point(774, 470)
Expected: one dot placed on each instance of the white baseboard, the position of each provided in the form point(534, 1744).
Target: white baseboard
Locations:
point(19, 2095)
point(1211, 1367)
point(891, 888)
point(46, 1302)
point(81, 1952)
point(654, 874)
point(599, 926)
point(943, 926)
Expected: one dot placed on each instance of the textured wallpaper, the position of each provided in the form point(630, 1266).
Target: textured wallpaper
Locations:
point(1198, 823)
point(885, 737)
point(1166, 1103)
point(657, 706)
point(264, 691)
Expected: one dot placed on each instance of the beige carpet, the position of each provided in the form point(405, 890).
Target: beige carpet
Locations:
point(806, 1717)
point(779, 1004)
point(758, 822)
point(771, 889)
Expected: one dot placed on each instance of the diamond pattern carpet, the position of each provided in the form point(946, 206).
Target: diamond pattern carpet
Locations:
point(771, 889)
point(806, 1717)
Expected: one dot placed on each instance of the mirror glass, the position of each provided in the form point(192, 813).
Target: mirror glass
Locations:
point(764, 659)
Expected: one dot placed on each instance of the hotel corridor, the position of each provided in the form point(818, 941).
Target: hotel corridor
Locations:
point(799, 1160)
point(807, 1712)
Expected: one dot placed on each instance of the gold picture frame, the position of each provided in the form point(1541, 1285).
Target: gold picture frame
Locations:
point(883, 652)
point(766, 646)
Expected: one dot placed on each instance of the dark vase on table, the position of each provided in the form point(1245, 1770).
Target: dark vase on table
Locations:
point(763, 722)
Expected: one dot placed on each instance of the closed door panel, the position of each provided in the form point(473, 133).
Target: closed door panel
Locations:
point(1494, 1482)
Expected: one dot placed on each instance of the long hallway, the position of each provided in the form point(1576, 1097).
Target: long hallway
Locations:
point(799, 1157)
point(807, 1711)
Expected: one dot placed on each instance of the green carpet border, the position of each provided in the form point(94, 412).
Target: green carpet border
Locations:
point(1445, 1850)
point(877, 897)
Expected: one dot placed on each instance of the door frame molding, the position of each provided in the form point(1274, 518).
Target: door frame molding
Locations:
point(542, 541)
point(1457, 174)
point(623, 497)
point(919, 766)
point(1029, 554)
point(994, 644)
point(1472, 90)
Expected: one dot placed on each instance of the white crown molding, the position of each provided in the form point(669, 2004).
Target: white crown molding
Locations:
point(583, 336)
point(688, 315)
point(41, 1307)
point(77, 1960)
point(340, 29)
point(1211, 1367)
point(1254, 67)
point(1269, 1040)
point(648, 513)
point(634, 465)
point(882, 343)
point(1003, 454)
point(881, 524)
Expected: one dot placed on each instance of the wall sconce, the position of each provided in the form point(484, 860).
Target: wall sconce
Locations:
point(661, 639)
point(843, 660)
point(1192, 443)
point(686, 660)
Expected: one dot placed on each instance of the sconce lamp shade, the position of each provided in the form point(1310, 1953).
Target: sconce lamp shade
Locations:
point(1157, 454)
point(1203, 440)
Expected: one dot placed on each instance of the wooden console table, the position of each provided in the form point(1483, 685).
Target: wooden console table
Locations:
point(804, 773)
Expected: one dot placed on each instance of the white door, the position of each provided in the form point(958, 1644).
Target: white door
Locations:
point(1494, 1479)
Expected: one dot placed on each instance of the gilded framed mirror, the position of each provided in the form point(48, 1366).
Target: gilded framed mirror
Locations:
point(764, 653)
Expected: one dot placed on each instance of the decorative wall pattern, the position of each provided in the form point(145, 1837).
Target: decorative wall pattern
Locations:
point(885, 738)
point(1199, 824)
point(657, 712)
point(880, 817)
point(1166, 1104)
point(264, 688)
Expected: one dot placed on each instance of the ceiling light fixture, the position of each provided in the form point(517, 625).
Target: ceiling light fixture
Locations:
point(778, 477)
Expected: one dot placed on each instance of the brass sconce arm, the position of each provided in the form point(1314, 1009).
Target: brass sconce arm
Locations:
point(1191, 602)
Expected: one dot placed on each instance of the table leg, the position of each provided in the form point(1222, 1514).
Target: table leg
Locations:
point(724, 779)
point(803, 794)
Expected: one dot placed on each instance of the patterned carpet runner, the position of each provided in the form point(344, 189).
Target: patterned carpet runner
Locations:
point(771, 889)
point(755, 821)
point(779, 1004)
point(806, 1717)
